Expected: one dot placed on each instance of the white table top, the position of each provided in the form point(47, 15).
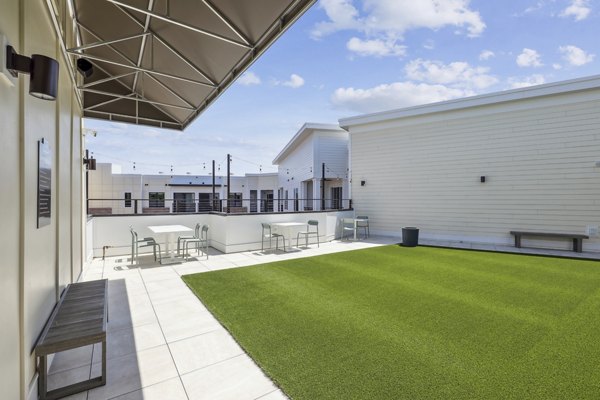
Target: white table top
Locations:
point(169, 228)
point(288, 224)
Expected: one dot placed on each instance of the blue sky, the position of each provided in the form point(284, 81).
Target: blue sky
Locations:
point(350, 57)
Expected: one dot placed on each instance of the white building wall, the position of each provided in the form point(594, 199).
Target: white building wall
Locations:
point(304, 163)
point(37, 263)
point(297, 167)
point(538, 155)
point(332, 149)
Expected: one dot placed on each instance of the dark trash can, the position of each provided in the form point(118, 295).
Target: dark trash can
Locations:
point(410, 236)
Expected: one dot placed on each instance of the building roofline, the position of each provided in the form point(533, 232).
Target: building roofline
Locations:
point(548, 89)
point(259, 174)
point(303, 132)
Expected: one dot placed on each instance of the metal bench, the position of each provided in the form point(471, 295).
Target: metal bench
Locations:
point(79, 319)
point(576, 237)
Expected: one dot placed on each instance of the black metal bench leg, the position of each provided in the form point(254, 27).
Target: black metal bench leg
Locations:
point(103, 362)
point(577, 245)
point(43, 378)
point(518, 241)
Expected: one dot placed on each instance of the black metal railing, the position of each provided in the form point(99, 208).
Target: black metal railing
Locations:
point(127, 206)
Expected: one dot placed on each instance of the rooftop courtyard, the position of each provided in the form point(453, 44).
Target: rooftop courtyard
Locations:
point(327, 322)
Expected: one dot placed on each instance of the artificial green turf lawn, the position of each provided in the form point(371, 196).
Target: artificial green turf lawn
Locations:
point(416, 323)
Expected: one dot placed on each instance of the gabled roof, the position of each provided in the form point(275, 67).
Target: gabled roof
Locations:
point(162, 62)
point(530, 92)
point(306, 130)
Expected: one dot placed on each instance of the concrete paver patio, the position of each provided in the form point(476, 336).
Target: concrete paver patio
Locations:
point(164, 344)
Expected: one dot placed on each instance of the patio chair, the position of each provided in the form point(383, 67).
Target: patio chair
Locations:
point(308, 232)
point(200, 241)
point(196, 236)
point(347, 226)
point(268, 234)
point(136, 243)
point(363, 224)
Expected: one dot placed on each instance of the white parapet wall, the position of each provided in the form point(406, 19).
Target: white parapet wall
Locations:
point(227, 233)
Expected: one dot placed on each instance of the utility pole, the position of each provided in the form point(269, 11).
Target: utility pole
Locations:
point(228, 180)
point(323, 187)
point(212, 200)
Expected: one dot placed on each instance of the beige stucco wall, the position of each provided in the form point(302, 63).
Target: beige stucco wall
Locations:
point(37, 263)
point(9, 217)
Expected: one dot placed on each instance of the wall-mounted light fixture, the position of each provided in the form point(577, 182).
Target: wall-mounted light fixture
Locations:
point(43, 71)
point(89, 162)
point(482, 179)
point(363, 183)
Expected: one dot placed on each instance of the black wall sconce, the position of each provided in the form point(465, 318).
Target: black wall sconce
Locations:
point(482, 179)
point(43, 71)
point(89, 162)
point(363, 183)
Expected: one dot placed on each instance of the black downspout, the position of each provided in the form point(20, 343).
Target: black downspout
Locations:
point(323, 187)
point(228, 181)
point(212, 202)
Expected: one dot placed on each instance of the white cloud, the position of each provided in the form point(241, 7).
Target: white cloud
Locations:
point(486, 55)
point(398, 16)
point(529, 58)
point(294, 82)
point(578, 9)
point(392, 96)
point(537, 6)
point(556, 66)
point(375, 47)
point(535, 79)
point(342, 15)
point(575, 56)
point(458, 74)
point(384, 22)
point(249, 78)
point(429, 44)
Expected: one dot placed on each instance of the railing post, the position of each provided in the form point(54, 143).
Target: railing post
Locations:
point(135, 206)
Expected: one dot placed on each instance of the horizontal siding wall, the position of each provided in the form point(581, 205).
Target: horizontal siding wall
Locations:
point(297, 166)
point(333, 151)
point(539, 165)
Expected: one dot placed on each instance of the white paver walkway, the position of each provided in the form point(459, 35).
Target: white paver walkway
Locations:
point(163, 344)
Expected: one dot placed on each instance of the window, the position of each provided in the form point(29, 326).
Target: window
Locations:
point(184, 203)
point(235, 199)
point(127, 199)
point(157, 199)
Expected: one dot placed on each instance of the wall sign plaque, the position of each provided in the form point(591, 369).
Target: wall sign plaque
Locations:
point(44, 203)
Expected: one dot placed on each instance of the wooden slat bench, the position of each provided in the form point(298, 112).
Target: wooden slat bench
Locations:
point(79, 319)
point(576, 237)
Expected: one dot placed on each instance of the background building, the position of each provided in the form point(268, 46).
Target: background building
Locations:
point(114, 193)
point(300, 167)
point(476, 168)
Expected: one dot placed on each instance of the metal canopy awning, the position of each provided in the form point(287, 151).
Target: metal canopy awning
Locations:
point(162, 62)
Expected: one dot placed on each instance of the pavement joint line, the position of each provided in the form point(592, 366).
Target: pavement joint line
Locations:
point(164, 336)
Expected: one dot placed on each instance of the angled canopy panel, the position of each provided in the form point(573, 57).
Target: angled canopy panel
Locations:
point(162, 62)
